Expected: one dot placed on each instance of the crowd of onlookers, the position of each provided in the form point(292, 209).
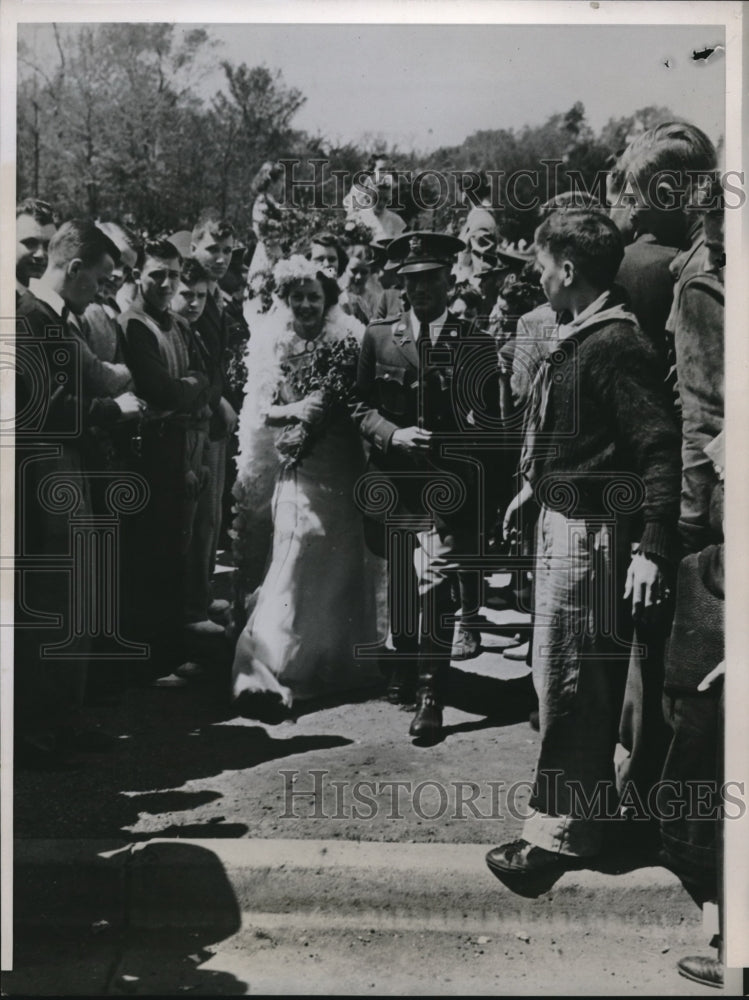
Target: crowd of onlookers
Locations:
point(609, 342)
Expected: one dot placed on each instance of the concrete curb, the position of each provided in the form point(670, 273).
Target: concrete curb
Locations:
point(175, 882)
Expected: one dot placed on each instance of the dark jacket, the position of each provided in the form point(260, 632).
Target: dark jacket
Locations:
point(212, 327)
point(697, 642)
point(608, 442)
point(451, 389)
point(56, 423)
point(55, 406)
point(180, 390)
point(645, 275)
point(697, 318)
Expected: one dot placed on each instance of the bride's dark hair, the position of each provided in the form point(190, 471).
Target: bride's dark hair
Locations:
point(330, 289)
point(295, 269)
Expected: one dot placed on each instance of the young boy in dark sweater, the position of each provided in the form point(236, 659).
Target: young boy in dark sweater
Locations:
point(169, 376)
point(601, 459)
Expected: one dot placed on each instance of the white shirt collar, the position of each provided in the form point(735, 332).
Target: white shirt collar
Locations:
point(434, 327)
point(46, 293)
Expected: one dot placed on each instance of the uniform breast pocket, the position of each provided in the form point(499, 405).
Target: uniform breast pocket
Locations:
point(392, 388)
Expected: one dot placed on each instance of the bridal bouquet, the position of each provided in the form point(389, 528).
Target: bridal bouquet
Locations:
point(330, 371)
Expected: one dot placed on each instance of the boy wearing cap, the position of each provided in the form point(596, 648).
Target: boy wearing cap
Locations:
point(427, 387)
point(601, 458)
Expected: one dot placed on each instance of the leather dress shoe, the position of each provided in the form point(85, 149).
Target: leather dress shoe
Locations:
point(466, 643)
point(520, 858)
point(427, 723)
point(707, 971)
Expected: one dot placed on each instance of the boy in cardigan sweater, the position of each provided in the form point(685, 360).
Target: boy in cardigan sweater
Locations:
point(601, 460)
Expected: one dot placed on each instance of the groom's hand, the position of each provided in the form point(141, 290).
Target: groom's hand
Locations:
point(412, 441)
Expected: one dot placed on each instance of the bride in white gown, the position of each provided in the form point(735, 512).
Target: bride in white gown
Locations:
point(316, 603)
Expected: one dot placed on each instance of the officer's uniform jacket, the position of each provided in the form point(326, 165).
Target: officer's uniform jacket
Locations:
point(450, 388)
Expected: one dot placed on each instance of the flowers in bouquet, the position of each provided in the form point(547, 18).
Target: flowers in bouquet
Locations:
point(262, 285)
point(356, 233)
point(271, 230)
point(331, 372)
point(236, 368)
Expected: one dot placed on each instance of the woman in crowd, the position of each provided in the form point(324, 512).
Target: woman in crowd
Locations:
point(316, 602)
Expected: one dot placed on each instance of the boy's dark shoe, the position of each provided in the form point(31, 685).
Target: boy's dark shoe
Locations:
point(707, 971)
point(519, 858)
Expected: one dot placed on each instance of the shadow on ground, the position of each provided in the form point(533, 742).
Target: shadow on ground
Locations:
point(167, 738)
point(68, 953)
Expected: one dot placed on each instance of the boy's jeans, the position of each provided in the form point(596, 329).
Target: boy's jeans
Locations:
point(581, 649)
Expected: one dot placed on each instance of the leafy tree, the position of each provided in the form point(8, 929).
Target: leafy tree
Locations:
point(618, 132)
point(110, 124)
point(112, 117)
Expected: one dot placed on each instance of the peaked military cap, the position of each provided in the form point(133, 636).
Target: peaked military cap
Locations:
point(424, 251)
point(182, 240)
point(513, 257)
point(488, 263)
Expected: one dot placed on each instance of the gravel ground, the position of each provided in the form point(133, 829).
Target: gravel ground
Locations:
point(289, 960)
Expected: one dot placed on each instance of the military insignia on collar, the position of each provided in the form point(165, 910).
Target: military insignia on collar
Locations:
point(415, 245)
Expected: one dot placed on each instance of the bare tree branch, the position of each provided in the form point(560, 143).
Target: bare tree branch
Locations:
point(56, 31)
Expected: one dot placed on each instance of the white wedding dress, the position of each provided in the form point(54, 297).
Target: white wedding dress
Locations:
point(316, 603)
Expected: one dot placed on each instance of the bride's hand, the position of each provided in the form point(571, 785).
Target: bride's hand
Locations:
point(311, 409)
point(307, 411)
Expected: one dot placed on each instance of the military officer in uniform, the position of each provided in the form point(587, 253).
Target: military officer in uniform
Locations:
point(427, 391)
